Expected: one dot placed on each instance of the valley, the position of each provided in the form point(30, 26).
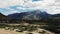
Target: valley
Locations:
point(31, 22)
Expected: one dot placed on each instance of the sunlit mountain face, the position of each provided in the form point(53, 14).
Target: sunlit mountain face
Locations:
point(32, 15)
point(18, 6)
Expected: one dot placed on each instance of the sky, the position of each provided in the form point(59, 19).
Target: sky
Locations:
point(18, 6)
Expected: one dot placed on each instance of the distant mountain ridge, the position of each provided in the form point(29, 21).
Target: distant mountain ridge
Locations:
point(33, 15)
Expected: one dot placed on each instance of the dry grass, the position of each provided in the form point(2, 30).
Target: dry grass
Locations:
point(31, 28)
point(3, 31)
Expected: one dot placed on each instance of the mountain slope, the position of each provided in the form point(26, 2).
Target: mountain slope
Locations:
point(3, 16)
point(33, 15)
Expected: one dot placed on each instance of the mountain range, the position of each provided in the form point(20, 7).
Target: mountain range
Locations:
point(33, 15)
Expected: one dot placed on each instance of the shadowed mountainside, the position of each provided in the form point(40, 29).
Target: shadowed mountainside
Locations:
point(35, 15)
point(3, 16)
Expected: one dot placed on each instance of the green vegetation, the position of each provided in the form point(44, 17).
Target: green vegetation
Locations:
point(4, 25)
point(30, 33)
point(20, 27)
point(32, 26)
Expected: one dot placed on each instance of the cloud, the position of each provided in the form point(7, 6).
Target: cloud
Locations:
point(7, 3)
point(13, 6)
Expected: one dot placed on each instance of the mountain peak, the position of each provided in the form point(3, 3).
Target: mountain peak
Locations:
point(36, 14)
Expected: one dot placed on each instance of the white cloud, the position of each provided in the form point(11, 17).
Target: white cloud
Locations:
point(49, 5)
point(7, 3)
